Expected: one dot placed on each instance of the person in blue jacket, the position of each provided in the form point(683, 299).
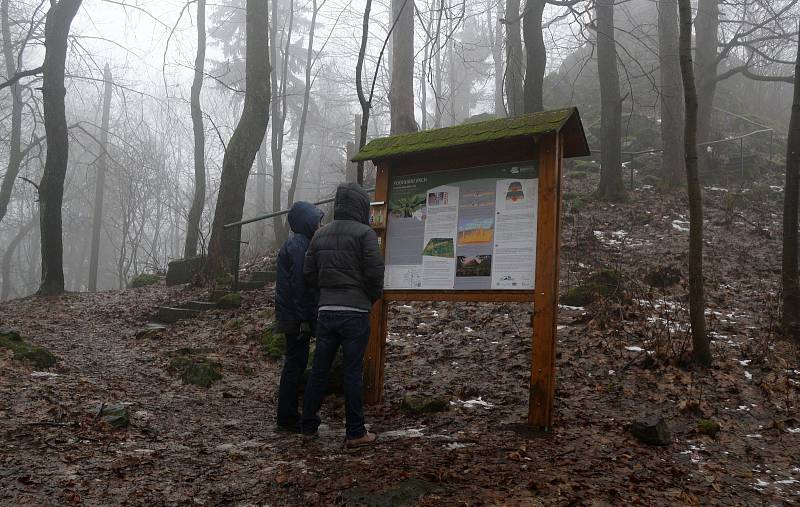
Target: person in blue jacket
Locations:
point(295, 310)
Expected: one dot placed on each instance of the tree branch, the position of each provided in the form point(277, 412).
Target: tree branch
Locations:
point(20, 75)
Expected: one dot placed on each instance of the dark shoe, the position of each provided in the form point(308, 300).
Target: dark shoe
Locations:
point(362, 441)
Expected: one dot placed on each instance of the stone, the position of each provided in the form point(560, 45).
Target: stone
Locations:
point(39, 357)
point(150, 330)
point(170, 315)
point(196, 371)
point(200, 306)
point(143, 280)
point(218, 294)
point(424, 404)
point(183, 270)
point(115, 415)
point(664, 276)
point(264, 276)
point(652, 430)
point(230, 301)
point(251, 284)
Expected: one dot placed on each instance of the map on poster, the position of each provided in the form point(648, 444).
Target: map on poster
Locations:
point(472, 229)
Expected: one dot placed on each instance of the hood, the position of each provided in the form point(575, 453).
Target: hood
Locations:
point(352, 203)
point(304, 218)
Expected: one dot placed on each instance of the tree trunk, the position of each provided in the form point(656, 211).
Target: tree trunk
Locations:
point(611, 186)
point(701, 350)
point(279, 118)
point(245, 140)
point(15, 137)
point(51, 187)
point(707, 40)
point(402, 87)
point(261, 197)
point(533, 94)
point(9, 254)
point(301, 132)
point(790, 280)
point(196, 212)
point(363, 100)
point(671, 94)
point(514, 93)
point(100, 182)
point(423, 83)
point(497, 57)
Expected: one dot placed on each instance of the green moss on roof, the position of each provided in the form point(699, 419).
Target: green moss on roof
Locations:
point(460, 135)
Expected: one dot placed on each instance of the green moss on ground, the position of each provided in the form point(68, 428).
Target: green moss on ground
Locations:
point(606, 283)
point(273, 342)
point(196, 371)
point(143, 280)
point(38, 357)
point(422, 404)
point(230, 301)
point(708, 427)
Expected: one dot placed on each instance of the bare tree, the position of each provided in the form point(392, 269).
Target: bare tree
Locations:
point(8, 255)
point(497, 57)
point(671, 93)
point(401, 95)
point(51, 187)
point(196, 211)
point(514, 57)
point(536, 55)
point(701, 350)
point(790, 280)
point(100, 182)
point(611, 186)
point(246, 139)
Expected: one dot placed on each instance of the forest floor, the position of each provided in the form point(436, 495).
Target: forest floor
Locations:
point(618, 359)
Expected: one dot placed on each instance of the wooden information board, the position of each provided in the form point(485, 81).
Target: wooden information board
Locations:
point(472, 213)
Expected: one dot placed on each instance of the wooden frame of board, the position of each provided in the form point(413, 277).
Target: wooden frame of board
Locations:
point(546, 146)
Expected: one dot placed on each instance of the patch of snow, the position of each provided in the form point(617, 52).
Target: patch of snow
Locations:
point(611, 372)
point(787, 481)
point(477, 402)
point(776, 188)
point(455, 445)
point(44, 374)
point(716, 189)
point(406, 433)
point(575, 308)
point(469, 329)
point(635, 349)
point(754, 435)
point(761, 484)
point(406, 307)
point(748, 375)
point(793, 430)
point(678, 225)
point(745, 362)
point(559, 328)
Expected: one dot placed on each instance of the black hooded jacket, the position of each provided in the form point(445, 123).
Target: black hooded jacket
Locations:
point(294, 302)
point(344, 262)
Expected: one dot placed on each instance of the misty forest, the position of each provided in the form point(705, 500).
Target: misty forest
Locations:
point(150, 151)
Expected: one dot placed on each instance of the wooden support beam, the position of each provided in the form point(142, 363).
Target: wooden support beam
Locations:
point(545, 305)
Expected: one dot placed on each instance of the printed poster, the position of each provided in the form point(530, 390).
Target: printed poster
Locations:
point(448, 232)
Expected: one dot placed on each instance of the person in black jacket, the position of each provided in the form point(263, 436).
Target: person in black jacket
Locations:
point(345, 265)
point(295, 310)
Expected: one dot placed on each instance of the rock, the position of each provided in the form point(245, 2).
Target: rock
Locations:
point(424, 404)
point(708, 427)
point(230, 301)
point(39, 357)
point(183, 270)
point(218, 294)
point(200, 306)
point(150, 330)
point(200, 372)
point(143, 280)
point(664, 276)
point(651, 430)
point(115, 415)
point(171, 315)
point(264, 276)
point(606, 283)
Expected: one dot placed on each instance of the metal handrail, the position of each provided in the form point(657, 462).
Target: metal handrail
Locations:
point(279, 213)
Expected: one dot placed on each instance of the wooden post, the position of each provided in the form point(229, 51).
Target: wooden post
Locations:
point(545, 304)
point(375, 356)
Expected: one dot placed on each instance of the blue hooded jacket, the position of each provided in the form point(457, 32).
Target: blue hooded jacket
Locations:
point(294, 303)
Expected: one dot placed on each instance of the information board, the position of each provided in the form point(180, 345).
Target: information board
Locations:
point(464, 229)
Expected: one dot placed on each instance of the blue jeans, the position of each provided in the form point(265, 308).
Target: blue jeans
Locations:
point(294, 364)
point(351, 330)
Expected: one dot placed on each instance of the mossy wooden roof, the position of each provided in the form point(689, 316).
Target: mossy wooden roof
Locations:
point(532, 125)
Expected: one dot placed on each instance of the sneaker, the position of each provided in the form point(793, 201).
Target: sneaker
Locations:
point(367, 439)
point(283, 428)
